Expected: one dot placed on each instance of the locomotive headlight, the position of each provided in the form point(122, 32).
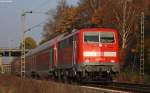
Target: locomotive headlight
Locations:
point(113, 61)
point(110, 54)
point(89, 54)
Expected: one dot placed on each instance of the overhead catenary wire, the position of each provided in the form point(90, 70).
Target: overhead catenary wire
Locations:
point(34, 11)
point(41, 5)
point(37, 25)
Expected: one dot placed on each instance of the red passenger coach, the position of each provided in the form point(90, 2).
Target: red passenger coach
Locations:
point(86, 54)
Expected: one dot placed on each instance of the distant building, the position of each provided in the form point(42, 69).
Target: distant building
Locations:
point(6, 68)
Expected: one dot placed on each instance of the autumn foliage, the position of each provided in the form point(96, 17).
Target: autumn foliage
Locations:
point(106, 13)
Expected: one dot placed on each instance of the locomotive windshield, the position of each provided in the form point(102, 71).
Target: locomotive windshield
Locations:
point(102, 37)
point(91, 36)
point(106, 37)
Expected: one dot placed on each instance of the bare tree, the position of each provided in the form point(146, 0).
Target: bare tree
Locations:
point(122, 15)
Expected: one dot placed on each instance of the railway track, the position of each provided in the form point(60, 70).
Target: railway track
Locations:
point(113, 87)
point(142, 88)
point(124, 87)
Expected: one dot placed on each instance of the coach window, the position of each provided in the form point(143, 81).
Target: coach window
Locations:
point(106, 37)
point(66, 43)
point(62, 44)
point(91, 37)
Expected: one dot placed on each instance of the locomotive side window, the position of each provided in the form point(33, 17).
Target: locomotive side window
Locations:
point(71, 41)
point(106, 37)
point(91, 37)
point(66, 43)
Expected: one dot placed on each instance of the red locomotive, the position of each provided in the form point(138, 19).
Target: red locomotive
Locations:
point(86, 54)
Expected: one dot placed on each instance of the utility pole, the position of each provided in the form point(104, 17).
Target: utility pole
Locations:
point(23, 49)
point(142, 48)
point(23, 15)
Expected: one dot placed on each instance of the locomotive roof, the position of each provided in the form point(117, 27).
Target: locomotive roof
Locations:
point(45, 45)
point(100, 28)
point(49, 43)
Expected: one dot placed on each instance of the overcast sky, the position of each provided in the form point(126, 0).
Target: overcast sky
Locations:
point(10, 19)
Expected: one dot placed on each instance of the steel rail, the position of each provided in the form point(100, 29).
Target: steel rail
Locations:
point(126, 87)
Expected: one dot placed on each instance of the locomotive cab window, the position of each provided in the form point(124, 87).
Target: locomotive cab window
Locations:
point(106, 37)
point(96, 37)
point(91, 37)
